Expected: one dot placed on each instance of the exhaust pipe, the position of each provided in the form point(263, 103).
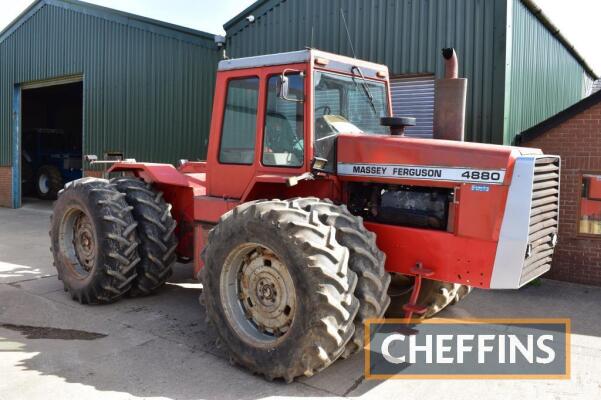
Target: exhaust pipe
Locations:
point(449, 100)
point(451, 65)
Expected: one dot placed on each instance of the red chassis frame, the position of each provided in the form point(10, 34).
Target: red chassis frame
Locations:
point(201, 192)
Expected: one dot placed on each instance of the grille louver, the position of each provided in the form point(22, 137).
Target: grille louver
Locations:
point(544, 216)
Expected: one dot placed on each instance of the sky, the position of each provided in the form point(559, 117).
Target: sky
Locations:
point(578, 20)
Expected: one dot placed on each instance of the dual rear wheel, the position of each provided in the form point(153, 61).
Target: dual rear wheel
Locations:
point(111, 238)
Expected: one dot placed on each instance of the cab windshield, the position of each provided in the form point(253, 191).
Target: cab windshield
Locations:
point(346, 104)
point(342, 104)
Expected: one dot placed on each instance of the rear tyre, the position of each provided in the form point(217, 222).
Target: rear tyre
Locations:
point(278, 290)
point(366, 260)
point(48, 182)
point(156, 232)
point(94, 241)
point(434, 295)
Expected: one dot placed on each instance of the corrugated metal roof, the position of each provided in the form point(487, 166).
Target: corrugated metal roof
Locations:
point(520, 68)
point(543, 78)
point(110, 14)
point(148, 89)
point(406, 35)
point(248, 10)
point(551, 27)
point(260, 7)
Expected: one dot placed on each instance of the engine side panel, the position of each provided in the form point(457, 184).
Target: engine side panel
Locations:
point(445, 204)
point(380, 149)
point(452, 258)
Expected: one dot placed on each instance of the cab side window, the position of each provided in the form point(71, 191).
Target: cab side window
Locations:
point(238, 132)
point(283, 139)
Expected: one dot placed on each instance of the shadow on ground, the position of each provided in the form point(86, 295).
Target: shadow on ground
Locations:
point(161, 346)
point(153, 346)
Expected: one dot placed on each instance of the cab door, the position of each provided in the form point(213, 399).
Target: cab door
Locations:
point(283, 149)
point(235, 123)
point(253, 132)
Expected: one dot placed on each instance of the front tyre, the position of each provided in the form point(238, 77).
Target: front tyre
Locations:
point(366, 260)
point(434, 295)
point(278, 290)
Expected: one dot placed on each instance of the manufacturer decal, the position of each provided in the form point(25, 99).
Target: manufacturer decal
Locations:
point(480, 188)
point(465, 175)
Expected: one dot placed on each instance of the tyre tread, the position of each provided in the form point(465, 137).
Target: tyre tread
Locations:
point(327, 259)
point(118, 272)
point(156, 231)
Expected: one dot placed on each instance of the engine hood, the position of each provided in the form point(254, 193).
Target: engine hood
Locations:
point(404, 158)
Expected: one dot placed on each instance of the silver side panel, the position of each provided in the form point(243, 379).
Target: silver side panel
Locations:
point(336, 62)
point(266, 60)
point(513, 238)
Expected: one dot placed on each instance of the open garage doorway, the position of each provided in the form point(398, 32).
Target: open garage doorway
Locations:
point(51, 139)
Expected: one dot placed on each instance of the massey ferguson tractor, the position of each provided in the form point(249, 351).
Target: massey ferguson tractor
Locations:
point(312, 211)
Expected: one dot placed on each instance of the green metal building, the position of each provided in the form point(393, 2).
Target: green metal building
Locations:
point(145, 87)
point(521, 70)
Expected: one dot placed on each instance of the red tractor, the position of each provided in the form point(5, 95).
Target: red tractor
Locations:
point(311, 199)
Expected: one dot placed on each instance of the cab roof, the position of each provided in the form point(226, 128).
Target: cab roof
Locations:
point(295, 57)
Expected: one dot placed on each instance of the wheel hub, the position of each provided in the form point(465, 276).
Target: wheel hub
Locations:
point(265, 292)
point(259, 294)
point(83, 241)
point(43, 184)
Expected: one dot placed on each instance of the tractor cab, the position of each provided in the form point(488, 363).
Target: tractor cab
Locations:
point(277, 114)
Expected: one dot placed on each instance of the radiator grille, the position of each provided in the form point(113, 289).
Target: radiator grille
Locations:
point(544, 216)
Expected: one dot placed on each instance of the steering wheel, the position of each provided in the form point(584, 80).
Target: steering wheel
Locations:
point(283, 139)
point(323, 130)
point(326, 109)
point(327, 137)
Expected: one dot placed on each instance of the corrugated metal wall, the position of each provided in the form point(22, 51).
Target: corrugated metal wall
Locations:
point(543, 78)
point(407, 35)
point(147, 94)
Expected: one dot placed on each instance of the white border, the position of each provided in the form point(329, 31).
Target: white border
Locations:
point(513, 237)
point(446, 174)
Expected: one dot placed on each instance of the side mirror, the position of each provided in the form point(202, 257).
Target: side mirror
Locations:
point(283, 87)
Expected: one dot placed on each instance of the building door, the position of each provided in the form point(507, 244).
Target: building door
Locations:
point(413, 96)
point(51, 133)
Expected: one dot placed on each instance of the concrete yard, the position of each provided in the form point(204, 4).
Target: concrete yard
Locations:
point(160, 346)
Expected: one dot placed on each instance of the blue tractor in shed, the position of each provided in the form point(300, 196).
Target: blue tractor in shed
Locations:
point(49, 161)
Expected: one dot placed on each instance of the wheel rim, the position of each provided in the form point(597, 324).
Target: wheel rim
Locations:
point(43, 184)
point(77, 241)
point(258, 295)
